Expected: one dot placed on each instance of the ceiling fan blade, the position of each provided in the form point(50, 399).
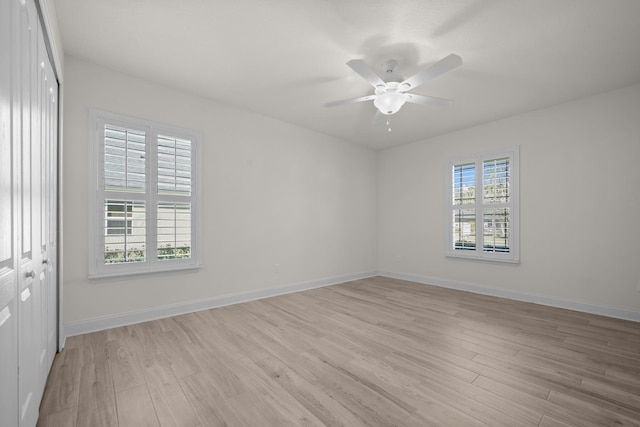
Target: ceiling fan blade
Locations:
point(350, 101)
point(446, 64)
point(379, 118)
point(428, 100)
point(361, 67)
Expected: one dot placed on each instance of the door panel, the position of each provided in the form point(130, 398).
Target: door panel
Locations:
point(51, 213)
point(8, 196)
point(38, 162)
point(30, 295)
point(48, 89)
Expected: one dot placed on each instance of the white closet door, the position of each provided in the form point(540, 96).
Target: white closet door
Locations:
point(27, 124)
point(48, 92)
point(28, 208)
point(52, 308)
point(40, 155)
point(8, 260)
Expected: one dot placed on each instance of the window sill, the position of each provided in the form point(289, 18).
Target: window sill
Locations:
point(145, 272)
point(492, 259)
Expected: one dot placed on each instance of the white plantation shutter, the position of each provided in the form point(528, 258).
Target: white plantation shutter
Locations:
point(483, 207)
point(464, 184)
point(174, 165)
point(464, 220)
point(174, 178)
point(496, 180)
point(174, 230)
point(124, 159)
point(125, 231)
point(496, 223)
point(146, 182)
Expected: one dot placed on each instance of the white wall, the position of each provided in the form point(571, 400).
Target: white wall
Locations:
point(274, 193)
point(580, 204)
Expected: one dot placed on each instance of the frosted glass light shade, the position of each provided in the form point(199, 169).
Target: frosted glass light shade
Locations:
point(390, 102)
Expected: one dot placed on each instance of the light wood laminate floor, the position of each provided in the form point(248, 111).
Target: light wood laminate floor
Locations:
point(377, 352)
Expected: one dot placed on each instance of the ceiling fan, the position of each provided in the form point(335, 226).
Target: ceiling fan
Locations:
point(392, 92)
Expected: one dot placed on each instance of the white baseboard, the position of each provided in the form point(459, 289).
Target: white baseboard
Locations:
point(130, 318)
point(604, 310)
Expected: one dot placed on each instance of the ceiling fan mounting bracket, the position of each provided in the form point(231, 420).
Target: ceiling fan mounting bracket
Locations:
point(389, 65)
point(388, 68)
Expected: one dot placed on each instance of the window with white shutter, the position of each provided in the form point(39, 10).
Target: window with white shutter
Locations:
point(483, 206)
point(145, 210)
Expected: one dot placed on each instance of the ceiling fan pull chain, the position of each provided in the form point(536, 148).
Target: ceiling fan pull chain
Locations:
point(389, 123)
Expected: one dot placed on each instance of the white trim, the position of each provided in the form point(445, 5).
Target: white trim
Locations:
point(60, 217)
point(132, 317)
point(50, 40)
point(569, 304)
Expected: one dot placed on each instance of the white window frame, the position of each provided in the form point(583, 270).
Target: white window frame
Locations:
point(98, 195)
point(513, 256)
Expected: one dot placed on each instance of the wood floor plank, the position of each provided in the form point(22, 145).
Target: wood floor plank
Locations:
point(65, 382)
point(183, 364)
point(424, 363)
point(548, 421)
point(94, 418)
point(125, 367)
point(438, 415)
point(271, 393)
point(210, 407)
point(538, 373)
point(172, 407)
point(135, 408)
point(541, 405)
point(329, 411)
point(375, 352)
point(251, 409)
point(97, 396)
point(591, 411)
point(366, 403)
point(612, 393)
point(66, 418)
point(483, 404)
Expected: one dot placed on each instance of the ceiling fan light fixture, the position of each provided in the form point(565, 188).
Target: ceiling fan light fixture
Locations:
point(390, 102)
point(390, 94)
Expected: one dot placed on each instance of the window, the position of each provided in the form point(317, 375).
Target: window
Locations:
point(482, 207)
point(145, 210)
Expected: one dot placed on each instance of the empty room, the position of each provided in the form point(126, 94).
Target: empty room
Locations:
point(319, 213)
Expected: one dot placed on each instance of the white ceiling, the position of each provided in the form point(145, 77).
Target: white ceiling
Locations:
point(286, 58)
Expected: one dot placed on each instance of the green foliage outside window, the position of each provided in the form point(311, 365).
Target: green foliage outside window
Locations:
point(170, 252)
